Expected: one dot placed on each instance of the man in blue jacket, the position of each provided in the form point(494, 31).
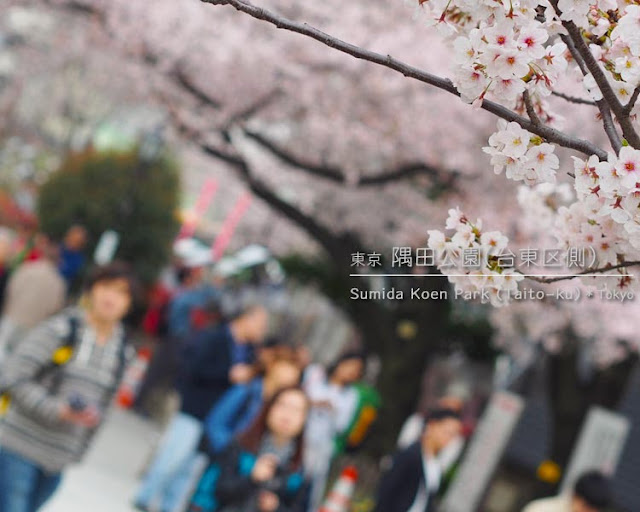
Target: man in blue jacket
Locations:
point(214, 359)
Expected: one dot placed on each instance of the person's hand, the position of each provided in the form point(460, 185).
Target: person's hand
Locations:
point(268, 501)
point(264, 469)
point(241, 373)
point(89, 417)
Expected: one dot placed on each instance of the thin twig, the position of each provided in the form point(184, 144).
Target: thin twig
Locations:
point(602, 270)
point(546, 132)
point(573, 99)
point(632, 102)
point(531, 111)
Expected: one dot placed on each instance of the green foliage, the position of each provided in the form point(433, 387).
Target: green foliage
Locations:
point(118, 191)
point(318, 272)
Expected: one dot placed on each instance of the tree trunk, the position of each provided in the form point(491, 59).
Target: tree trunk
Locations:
point(571, 397)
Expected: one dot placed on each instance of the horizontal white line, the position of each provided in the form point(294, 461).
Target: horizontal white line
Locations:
point(472, 275)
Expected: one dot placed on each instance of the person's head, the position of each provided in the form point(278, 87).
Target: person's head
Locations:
point(110, 291)
point(284, 417)
point(442, 427)
point(46, 247)
point(251, 325)
point(76, 238)
point(591, 493)
point(274, 349)
point(282, 373)
point(347, 369)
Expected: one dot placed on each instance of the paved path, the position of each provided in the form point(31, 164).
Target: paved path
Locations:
point(106, 480)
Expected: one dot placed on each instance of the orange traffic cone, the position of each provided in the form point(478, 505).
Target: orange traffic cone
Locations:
point(132, 379)
point(339, 499)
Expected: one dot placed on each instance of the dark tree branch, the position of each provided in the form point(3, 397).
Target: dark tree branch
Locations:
point(632, 102)
point(183, 80)
point(337, 246)
point(252, 109)
point(409, 170)
point(608, 94)
point(602, 270)
point(603, 106)
point(323, 171)
point(546, 132)
point(338, 176)
point(531, 111)
point(573, 99)
point(80, 7)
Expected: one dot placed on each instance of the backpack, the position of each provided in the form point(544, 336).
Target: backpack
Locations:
point(365, 414)
point(60, 357)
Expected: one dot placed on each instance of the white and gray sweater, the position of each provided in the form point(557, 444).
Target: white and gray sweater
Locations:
point(32, 428)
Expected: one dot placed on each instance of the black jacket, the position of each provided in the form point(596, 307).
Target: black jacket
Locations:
point(399, 486)
point(236, 488)
point(204, 372)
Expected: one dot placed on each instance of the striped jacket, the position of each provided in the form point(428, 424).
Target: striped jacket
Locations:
point(32, 427)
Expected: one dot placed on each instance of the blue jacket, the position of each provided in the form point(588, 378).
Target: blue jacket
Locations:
point(233, 413)
point(183, 304)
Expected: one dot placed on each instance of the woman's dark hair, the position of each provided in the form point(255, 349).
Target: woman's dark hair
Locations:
point(251, 438)
point(112, 272)
point(352, 354)
point(442, 414)
point(594, 488)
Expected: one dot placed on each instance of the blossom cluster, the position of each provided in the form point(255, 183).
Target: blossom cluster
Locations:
point(614, 28)
point(495, 281)
point(501, 48)
point(607, 214)
point(524, 156)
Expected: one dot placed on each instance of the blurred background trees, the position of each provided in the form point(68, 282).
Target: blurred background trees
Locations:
point(131, 193)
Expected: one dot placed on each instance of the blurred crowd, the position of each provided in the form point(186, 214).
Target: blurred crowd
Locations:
point(256, 424)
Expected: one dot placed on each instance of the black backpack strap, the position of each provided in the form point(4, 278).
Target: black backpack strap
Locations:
point(63, 354)
point(122, 359)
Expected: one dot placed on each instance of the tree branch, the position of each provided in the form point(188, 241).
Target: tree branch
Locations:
point(409, 170)
point(183, 80)
point(603, 106)
point(336, 245)
point(323, 171)
point(573, 99)
point(628, 130)
point(602, 270)
point(336, 175)
point(531, 111)
point(550, 134)
point(632, 102)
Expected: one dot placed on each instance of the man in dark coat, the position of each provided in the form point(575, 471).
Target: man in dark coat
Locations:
point(412, 482)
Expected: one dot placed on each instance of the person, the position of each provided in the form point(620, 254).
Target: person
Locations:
point(591, 493)
point(412, 482)
point(194, 292)
point(213, 360)
point(35, 291)
point(72, 253)
point(262, 470)
point(239, 406)
point(450, 456)
point(333, 402)
point(56, 410)
point(6, 243)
